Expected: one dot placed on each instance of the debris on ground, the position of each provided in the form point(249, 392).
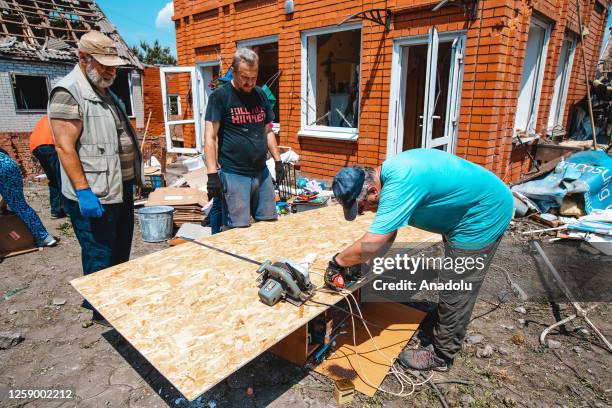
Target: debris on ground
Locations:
point(569, 202)
point(520, 310)
point(9, 339)
point(474, 338)
point(484, 352)
point(59, 301)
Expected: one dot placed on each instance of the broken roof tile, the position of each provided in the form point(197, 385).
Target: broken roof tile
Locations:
point(47, 33)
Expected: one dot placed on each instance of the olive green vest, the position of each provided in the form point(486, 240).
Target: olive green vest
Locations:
point(98, 145)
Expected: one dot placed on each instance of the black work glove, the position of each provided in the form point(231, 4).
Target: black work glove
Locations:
point(213, 186)
point(334, 278)
point(279, 168)
point(337, 277)
point(356, 271)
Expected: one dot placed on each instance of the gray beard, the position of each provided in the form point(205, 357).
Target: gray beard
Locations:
point(96, 78)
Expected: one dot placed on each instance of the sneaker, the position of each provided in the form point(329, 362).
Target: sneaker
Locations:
point(48, 242)
point(423, 359)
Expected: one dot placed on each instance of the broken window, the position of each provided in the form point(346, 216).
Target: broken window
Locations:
point(269, 73)
point(174, 104)
point(564, 70)
point(31, 92)
point(331, 92)
point(531, 78)
point(122, 87)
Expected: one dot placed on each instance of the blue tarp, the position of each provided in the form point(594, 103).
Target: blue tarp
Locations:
point(587, 173)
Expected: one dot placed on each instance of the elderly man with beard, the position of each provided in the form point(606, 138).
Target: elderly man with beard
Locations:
point(99, 156)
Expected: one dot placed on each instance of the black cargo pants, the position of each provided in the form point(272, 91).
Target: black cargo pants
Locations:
point(449, 321)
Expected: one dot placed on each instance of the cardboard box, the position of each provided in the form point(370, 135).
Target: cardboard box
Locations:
point(14, 235)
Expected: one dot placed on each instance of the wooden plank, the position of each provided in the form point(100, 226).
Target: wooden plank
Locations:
point(294, 347)
point(21, 252)
point(194, 313)
point(364, 364)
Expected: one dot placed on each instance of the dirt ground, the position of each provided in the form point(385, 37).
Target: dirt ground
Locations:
point(506, 367)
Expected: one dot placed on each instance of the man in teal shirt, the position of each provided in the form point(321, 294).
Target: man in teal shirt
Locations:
point(438, 192)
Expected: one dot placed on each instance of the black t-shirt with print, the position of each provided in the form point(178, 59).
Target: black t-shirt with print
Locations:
point(242, 134)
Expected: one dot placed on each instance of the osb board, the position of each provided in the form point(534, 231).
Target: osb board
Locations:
point(194, 313)
point(364, 365)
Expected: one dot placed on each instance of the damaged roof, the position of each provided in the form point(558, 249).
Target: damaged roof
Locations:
point(48, 30)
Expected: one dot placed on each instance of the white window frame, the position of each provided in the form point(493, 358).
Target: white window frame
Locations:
point(537, 88)
point(397, 95)
point(204, 90)
point(252, 42)
point(11, 79)
point(195, 95)
point(561, 87)
point(308, 96)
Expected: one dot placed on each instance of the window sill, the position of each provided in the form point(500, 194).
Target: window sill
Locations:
point(329, 134)
point(525, 139)
point(30, 111)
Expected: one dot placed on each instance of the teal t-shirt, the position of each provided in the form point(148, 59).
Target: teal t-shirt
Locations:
point(442, 193)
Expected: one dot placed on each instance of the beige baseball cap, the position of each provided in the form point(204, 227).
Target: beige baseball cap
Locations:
point(102, 48)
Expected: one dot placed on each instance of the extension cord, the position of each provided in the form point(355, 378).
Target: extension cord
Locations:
point(399, 375)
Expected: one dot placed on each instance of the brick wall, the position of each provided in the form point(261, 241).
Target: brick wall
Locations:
point(17, 145)
point(152, 96)
point(13, 121)
point(495, 49)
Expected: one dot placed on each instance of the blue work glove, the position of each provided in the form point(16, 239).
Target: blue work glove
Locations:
point(89, 203)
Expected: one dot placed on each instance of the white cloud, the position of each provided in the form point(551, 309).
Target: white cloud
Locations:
point(164, 16)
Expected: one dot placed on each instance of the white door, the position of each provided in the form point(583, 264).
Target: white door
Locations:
point(182, 119)
point(430, 87)
point(454, 95)
point(443, 106)
point(531, 78)
point(564, 70)
point(206, 72)
point(426, 78)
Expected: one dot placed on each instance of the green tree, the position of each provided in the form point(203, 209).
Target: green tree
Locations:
point(153, 54)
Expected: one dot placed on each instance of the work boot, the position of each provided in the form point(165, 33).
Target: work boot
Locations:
point(423, 359)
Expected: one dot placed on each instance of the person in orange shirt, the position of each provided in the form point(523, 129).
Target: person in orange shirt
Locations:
point(42, 147)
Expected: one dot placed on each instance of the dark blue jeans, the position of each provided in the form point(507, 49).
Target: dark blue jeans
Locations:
point(216, 216)
point(105, 241)
point(247, 196)
point(47, 156)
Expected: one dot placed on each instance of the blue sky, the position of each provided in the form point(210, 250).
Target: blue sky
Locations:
point(139, 20)
point(150, 20)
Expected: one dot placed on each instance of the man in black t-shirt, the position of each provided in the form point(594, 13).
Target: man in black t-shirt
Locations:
point(238, 136)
